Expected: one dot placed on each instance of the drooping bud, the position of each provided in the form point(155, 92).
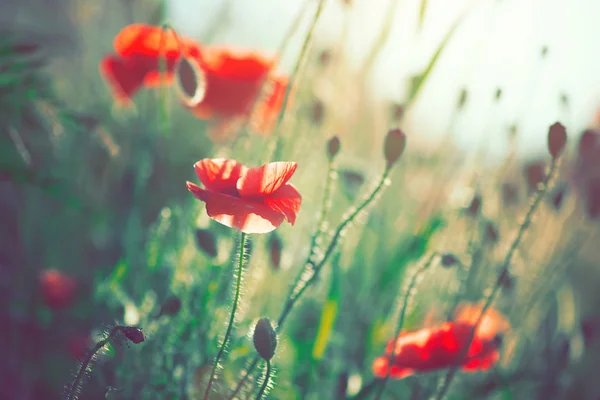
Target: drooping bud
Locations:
point(265, 339)
point(393, 147)
point(557, 139)
point(191, 82)
point(397, 112)
point(317, 112)
point(205, 239)
point(275, 248)
point(134, 334)
point(490, 232)
point(333, 147)
point(474, 206)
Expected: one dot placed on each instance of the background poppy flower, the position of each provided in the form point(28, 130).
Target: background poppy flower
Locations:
point(58, 289)
point(251, 200)
point(432, 349)
point(266, 113)
point(136, 63)
point(233, 81)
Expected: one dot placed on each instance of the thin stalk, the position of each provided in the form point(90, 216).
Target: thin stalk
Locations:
point(274, 145)
point(411, 287)
point(381, 39)
point(236, 299)
point(504, 271)
point(265, 382)
point(316, 268)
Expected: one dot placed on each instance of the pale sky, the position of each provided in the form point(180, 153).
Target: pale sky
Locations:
point(497, 45)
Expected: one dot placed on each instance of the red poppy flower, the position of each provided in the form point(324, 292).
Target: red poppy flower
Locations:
point(136, 64)
point(265, 115)
point(432, 349)
point(78, 345)
point(58, 289)
point(251, 200)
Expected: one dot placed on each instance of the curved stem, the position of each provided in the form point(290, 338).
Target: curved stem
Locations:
point(231, 317)
point(301, 286)
point(539, 195)
point(411, 286)
point(265, 382)
point(72, 393)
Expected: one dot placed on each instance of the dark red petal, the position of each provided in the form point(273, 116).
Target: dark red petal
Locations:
point(286, 200)
point(264, 181)
point(241, 214)
point(219, 174)
point(123, 77)
point(236, 64)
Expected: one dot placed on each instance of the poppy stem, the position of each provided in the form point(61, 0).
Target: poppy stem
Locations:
point(231, 317)
point(409, 291)
point(504, 270)
point(274, 147)
point(265, 382)
point(315, 268)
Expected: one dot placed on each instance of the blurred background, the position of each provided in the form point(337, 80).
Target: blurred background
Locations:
point(99, 230)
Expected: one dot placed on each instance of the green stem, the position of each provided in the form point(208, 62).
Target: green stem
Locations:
point(274, 145)
point(236, 299)
point(411, 287)
point(265, 382)
point(299, 288)
point(538, 196)
point(72, 391)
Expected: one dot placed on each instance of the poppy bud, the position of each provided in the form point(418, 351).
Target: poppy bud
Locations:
point(333, 147)
point(462, 99)
point(535, 174)
point(265, 339)
point(317, 112)
point(191, 82)
point(557, 139)
point(393, 147)
point(510, 194)
point(275, 247)
point(593, 198)
point(135, 335)
point(397, 112)
point(449, 260)
point(558, 195)
point(588, 141)
point(206, 241)
point(498, 95)
point(474, 207)
point(490, 232)
point(171, 306)
point(324, 57)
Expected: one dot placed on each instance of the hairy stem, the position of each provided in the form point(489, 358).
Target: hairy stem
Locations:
point(411, 287)
point(504, 270)
point(236, 299)
point(265, 382)
point(301, 286)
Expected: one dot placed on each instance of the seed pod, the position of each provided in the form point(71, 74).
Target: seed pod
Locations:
point(557, 139)
point(265, 339)
point(333, 147)
point(394, 144)
point(134, 334)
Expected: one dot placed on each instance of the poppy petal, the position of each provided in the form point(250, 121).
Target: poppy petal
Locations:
point(123, 76)
point(219, 174)
point(266, 112)
point(264, 181)
point(286, 200)
point(141, 39)
point(236, 64)
point(241, 214)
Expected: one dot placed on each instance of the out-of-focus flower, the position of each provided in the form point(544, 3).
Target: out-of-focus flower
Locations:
point(432, 349)
point(78, 345)
point(58, 289)
point(251, 200)
point(266, 111)
point(137, 62)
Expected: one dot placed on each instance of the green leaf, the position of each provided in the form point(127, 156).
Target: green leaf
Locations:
point(419, 80)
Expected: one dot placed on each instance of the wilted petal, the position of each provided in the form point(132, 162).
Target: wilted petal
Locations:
point(264, 181)
point(219, 174)
point(287, 201)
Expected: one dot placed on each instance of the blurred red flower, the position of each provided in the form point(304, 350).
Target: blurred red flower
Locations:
point(236, 84)
point(251, 200)
point(436, 348)
point(78, 345)
point(58, 289)
point(136, 64)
